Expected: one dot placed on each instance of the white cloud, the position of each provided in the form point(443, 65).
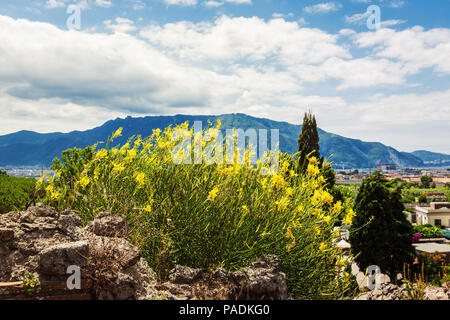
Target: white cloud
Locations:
point(229, 39)
point(212, 4)
point(83, 4)
point(277, 15)
point(357, 18)
point(55, 3)
point(414, 48)
point(323, 8)
point(239, 1)
point(103, 3)
point(123, 25)
point(392, 22)
point(181, 2)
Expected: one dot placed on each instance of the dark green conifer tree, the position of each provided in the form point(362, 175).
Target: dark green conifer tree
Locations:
point(380, 232)
point(308, 142)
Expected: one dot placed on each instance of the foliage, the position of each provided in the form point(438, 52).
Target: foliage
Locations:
point(208, 215)
point(425, 181)
point(15, 193)
point(423, 198)
point(308, 142)
point(329, 175)
point(408, 199)
point(428, 231)
point(30, 283)
point(415, 283)
point(431, 268)
point(380, 233)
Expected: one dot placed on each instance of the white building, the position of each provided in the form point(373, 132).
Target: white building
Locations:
point(437, 214)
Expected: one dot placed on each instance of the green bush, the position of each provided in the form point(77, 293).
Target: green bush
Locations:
point(209, 216)
point(428, 231)
point(15, 193)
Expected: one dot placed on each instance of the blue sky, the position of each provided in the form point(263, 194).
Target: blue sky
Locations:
point(267, 58)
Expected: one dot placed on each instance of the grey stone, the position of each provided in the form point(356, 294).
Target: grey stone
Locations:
point(54, 261)
point(184, 275)
point(109, 226)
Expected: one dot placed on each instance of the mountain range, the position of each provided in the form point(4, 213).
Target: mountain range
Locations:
point(28, 148)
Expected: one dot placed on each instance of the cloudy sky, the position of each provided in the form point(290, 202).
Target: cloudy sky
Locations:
point(267, 58)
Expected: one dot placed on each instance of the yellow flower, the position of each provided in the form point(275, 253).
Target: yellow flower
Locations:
point(118, 168)
point(263, 183)
point(131, 154)
point(148, 208)
point(320, 179)
point(84, 181)
point(317, 230)
point(277, 181)
point(327, 219)
point(101, 154)
point(41, 180)
point(289, 191)
point(316, 213)
point(293, 174)
point(313, 160)
point(300, 209)
point(326, 197)
point(323, 246)
point(341, 262)
point(124, 148)
point(337, 207)
point(213, 194)
point(245, 209)
point(157, 132)
point(140, 178)
point(312, 170)
point(118, 133)
point(290, 246)
point(284, 166)
point(315, 200)
point(349, 216)
point(289, 234)
point(282, 203)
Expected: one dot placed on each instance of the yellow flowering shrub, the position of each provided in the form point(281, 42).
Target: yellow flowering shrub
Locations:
point(208, 215)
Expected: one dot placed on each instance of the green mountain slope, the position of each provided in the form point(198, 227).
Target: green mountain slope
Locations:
point(30, 148)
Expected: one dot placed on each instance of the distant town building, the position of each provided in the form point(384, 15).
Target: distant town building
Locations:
point(387, 167)
point(437, 214)
point(438, 196)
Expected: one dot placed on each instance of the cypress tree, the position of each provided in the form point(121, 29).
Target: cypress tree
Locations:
point(308, 142)
point(380, 232)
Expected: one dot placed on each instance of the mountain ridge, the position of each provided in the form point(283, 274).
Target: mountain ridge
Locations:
point(31, 148)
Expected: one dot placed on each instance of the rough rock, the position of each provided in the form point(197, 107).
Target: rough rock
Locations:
point(53, 261)
point(184, 275)
point(109, 226)
point(437, 293)
point(394, 292)
point(261, 280)
point(45, 242)
point(6, 234)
